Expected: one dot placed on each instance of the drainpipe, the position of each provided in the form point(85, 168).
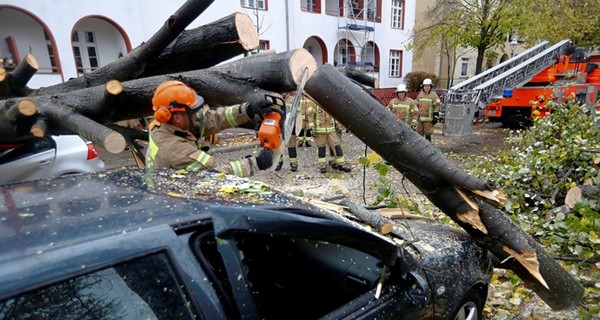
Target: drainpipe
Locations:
point(287, 26)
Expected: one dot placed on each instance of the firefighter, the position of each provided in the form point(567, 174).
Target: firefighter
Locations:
point(305, 135)
point(325, 130)
point(428, 103)
point(404, 107)
point(180, 122)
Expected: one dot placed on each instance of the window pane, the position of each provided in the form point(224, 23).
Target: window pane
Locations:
point(77, 55)
point(397, 6)
point(75, 36)
point(89, 37)
point(93, 63)
point(146, 288)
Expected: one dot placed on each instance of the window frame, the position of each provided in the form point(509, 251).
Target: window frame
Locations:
point(397, 14)
point(315, 4)
point(464, 67)
point(264, 45)
point(395, 61)
point(255, 4)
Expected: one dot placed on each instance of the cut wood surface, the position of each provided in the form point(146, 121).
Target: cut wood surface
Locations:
point(577, 193)
point(440, 181)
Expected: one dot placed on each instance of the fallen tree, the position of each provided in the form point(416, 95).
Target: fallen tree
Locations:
point(461, 196)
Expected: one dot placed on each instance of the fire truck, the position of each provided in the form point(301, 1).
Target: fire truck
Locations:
point(519, 89)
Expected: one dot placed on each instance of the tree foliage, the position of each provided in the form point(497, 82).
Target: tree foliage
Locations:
point(555, 20)
point(413, 80)
point(544, 162)
point(479, 24)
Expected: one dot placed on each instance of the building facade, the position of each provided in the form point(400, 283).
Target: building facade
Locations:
point(69, 38)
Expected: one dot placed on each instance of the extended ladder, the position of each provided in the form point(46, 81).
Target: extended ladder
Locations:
point(463, 100)
point(512, 73)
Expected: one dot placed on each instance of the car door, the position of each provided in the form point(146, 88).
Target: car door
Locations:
point(300, 266)
point(30, 161)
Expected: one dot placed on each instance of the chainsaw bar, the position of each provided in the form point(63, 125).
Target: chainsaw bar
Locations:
point(290, 118)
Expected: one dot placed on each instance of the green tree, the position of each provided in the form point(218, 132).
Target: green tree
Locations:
point(479, 24)
point(555, 20)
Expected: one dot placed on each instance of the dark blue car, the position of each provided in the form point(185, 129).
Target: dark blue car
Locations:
point(131, 244)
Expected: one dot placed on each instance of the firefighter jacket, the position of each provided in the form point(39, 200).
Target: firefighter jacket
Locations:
point(171, 147)
point(319, 120)
point(405, 109)
point(428, 103)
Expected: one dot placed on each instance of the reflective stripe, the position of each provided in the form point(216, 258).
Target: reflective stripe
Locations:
point(237, 168)
point(321, 160)
point(340, 160)
point(230, 116)
point(325, 130)
point(152, 151)
point(199, 163)
point(293, 160)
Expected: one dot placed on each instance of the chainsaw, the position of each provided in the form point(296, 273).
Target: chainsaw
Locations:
point(277, 126)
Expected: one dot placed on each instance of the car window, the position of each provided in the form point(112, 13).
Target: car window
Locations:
point(27, 150)
point(145, 288)
point(293, 277)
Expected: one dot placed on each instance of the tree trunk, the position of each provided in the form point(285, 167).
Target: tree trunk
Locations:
point(206, 46)
point(361, 77)
point(15, 82)
point(479, 60)
point(444, 184)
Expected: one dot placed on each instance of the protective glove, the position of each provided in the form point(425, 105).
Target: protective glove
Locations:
point(259, 107)
point(436, 118)
point(264, 160)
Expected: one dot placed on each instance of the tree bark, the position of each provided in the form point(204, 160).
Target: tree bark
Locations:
point(206, 46)
point(361, 78)
point(132, 65)
point(382, 224)
point(444, 184)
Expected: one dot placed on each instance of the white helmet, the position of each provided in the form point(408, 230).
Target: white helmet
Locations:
point(428, 81)
point(401, 88)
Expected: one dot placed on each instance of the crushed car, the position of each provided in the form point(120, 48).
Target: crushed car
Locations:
point(136, 244)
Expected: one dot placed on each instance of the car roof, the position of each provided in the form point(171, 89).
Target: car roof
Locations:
point(51, 213)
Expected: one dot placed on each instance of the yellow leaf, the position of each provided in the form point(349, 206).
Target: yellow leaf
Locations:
point(229, 189)
point(373, 157)
point(494, 279)
point(175, 195)
point(593, 235)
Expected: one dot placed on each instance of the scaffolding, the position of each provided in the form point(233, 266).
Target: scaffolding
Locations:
point(356, 27)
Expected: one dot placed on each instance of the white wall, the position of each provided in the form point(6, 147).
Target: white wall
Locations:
point(142, 18)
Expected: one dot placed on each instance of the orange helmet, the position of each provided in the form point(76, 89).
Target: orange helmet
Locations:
point(173, 96)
